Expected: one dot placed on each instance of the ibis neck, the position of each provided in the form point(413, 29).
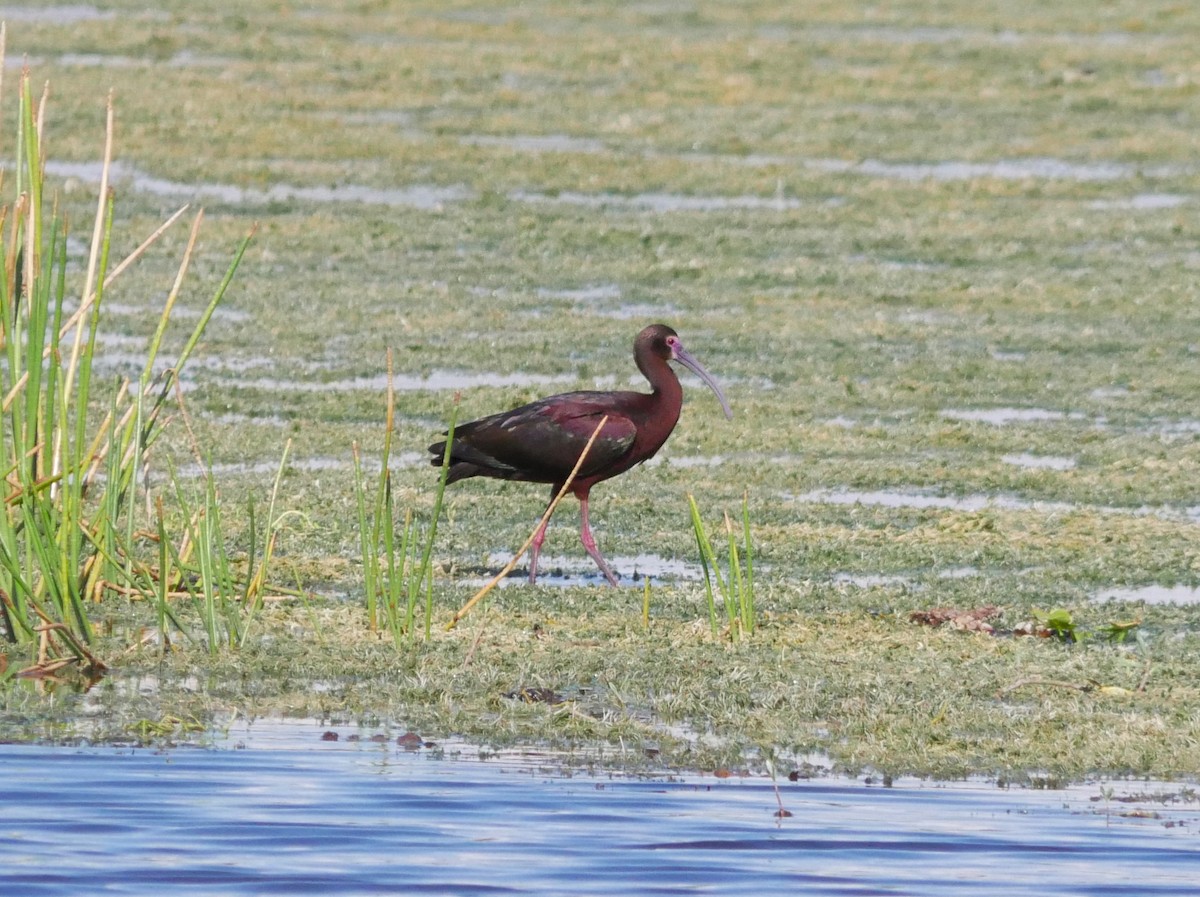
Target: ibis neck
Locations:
point(666, 400)
point(663, 382)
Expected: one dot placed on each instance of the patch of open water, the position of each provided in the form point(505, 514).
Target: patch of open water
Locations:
point(897, 498)
point(291, 813)
point(1020, 168)
point(912, 582)
point(920, 500)
point(1141, 202)
point(658, 202)
point(66, 14)
point(1152, 594)
point(311, 464)
point(1001, 417)
point(537, 143)
point(435, 380)
point(434, 196)
point(417, 196)
point(1039, 462)
point(567, 571)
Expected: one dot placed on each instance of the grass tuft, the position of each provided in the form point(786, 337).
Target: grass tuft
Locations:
point(397, 572)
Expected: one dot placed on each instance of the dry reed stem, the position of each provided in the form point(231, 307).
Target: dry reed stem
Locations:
point(478, 596)
point(90, 298)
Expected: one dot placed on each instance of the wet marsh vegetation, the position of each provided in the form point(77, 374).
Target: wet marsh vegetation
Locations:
point(943, 265)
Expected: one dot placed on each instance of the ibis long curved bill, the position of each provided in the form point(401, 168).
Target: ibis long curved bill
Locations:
point(685, 358)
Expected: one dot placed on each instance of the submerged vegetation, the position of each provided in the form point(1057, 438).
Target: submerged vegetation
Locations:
point(944, 265)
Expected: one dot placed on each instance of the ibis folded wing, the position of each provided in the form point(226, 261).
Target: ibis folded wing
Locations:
point(542, 441)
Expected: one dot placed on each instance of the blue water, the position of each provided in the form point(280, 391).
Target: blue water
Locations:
point(291, 815)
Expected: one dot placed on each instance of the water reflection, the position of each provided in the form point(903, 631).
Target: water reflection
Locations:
point(297, 814)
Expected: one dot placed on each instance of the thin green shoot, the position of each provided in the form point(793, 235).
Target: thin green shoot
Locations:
point(397, 567)
point(736, 585)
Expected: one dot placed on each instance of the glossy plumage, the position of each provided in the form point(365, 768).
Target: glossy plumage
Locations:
point(541, 442)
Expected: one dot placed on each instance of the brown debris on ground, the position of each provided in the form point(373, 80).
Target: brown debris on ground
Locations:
point(968, 620)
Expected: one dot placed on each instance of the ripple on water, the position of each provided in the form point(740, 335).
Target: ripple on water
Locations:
point(299, 811)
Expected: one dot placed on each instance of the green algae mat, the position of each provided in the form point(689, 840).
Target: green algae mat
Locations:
point(942, 259)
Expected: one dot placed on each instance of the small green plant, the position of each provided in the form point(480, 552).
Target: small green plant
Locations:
point(737, 585)
point(225, 600)
point(1059, 622)
point(396, 571)
point(1117, 631)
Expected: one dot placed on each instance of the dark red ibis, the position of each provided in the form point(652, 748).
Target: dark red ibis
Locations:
point(542, 441)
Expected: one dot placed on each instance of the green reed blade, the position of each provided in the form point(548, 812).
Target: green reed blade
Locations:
point(705, 551)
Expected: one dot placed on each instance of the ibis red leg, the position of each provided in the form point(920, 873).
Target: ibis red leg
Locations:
point(539, 536)
point(589, 543)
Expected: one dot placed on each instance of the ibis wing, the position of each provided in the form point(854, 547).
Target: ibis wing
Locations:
point(542, 441)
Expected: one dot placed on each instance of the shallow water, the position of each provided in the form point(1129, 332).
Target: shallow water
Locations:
point(1153, 594)
point(433, 381)
point(658, 202)
point(900, 580)
point(1033, 168)
point(58, 15)
point(925, 500)
point(1039, 462)
point(293, 814)
point(581, 570)
point(1002, 416)
point(899, 498)
point(417, 196)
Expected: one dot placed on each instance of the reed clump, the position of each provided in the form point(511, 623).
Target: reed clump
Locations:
point(73, 449)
